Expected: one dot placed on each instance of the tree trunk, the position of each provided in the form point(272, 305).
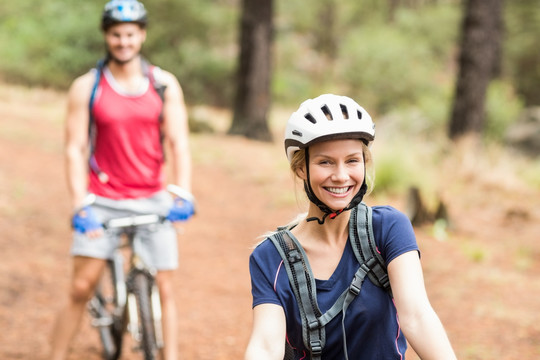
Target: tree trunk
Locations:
point(252, 100)
point(479, 62)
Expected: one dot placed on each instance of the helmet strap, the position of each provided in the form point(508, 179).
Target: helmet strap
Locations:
point(322, 206)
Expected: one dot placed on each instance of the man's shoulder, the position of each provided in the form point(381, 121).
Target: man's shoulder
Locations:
point(82, 85)
point(85, 80)
point(163, 76)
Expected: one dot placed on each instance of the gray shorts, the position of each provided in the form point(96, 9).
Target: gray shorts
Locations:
point(156, 243)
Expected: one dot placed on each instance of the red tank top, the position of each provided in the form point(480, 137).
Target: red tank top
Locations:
point(127, 144)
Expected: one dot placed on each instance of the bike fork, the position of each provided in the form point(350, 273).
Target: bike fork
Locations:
point(133, 317)
point(156, 312)
point(133, 325)
point(119, 279)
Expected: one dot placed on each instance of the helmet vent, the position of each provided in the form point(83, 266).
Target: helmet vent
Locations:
point(327, 113)
point(310, 118)
point(297, 133)
point(359, 113)
point(344, 111)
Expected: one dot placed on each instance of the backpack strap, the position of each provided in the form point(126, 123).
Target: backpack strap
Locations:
point(91, 123)
point(303, 285)
point(364, 247)
point(98, 71)
point(148, 71)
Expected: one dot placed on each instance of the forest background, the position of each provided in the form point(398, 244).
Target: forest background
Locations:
point(482, 262)
point(397, 58)
point(393, 59)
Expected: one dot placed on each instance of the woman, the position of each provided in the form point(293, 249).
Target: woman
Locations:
point(326, 142)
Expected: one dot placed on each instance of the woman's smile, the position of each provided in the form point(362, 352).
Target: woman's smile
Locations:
point(338, 190)
point(336, 171)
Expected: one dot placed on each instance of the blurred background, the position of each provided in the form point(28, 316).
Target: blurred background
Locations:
point(394, 56)
point(453, 87)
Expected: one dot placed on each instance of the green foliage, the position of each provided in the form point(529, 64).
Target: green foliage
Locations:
point(392, 176)
point(205, 73)
point(196, 41)
point(395, 66)
point(401, 163)
point(531, 173)
point(400, 62)
point(46, 43)
point(384, 65)
point(521, 48)
point(49, 43)
point(502, 109)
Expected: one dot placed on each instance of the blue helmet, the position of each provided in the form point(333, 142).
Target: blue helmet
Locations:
point(118, 11)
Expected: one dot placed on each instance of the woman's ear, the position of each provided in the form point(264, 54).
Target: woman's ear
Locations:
point(301, 172)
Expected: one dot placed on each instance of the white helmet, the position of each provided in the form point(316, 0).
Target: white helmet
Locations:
point(327, 117)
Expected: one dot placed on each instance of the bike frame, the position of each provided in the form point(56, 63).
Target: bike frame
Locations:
point(130, 226)
point(125, 313)
point(126, 310)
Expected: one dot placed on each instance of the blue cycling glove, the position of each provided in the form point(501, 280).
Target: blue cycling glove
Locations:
point(85, 220)
point(182, 210)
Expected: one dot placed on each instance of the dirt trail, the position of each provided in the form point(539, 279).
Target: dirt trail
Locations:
point(483, 280)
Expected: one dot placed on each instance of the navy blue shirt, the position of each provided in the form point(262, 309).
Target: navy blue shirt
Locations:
point(372, 324)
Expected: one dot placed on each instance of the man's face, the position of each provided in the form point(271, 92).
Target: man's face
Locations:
point(124, 41)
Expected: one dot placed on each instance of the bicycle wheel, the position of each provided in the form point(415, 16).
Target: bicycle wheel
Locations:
point(102, 320)
point(101, 308)
point(142, 290)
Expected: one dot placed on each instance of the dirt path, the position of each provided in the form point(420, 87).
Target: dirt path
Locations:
point(483, 281)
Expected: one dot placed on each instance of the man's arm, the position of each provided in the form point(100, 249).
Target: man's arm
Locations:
point(176, 130)
point(76, 153)
point(76, 138)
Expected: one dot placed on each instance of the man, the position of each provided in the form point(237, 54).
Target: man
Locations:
point(128, 119)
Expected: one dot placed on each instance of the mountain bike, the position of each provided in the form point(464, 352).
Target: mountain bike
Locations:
point(127, 297)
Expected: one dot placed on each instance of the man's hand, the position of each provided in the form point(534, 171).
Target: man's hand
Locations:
point(85, 222)
point(182, 210)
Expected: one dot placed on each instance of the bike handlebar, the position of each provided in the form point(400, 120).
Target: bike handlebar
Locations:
point(181, 193)
point(135, 220)
point(139, 220)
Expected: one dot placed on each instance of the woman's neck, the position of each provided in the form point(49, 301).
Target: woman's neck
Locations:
point(334, 231)
point(323, 243)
